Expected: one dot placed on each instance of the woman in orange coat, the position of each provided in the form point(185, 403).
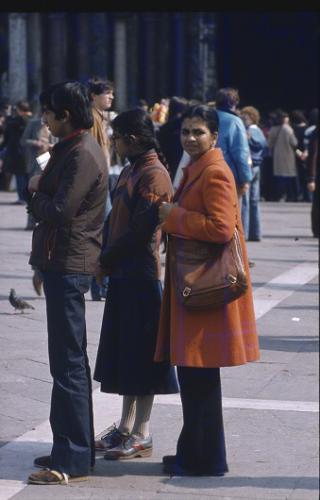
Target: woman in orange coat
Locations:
point(200, 342)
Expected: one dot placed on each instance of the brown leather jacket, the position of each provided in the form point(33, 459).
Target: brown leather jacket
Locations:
point(70, 206)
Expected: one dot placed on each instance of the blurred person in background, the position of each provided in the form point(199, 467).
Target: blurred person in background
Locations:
point(102, 95)
point(14, 161)
point(312, 125)
point(232, 139)
point(251, 218)
point(36, 140)
point(313, 179)
point(169, 133)
point(283, 143)
point(299, 125)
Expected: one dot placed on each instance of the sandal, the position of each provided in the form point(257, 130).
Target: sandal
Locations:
point(50, 477)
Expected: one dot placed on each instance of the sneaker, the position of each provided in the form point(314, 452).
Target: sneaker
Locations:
point(112, 438)
point(131, 447)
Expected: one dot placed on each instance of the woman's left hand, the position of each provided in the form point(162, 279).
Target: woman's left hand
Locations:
point(164, 210)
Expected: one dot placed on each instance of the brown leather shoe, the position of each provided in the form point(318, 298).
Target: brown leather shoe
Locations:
point(131, 447)
point(43, 462)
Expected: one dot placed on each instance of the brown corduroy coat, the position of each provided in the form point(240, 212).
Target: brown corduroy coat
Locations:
point(207, 211)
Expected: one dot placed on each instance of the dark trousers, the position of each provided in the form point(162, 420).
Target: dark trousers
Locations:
point(22, 183)
point(201, 444)
point(315, 211)
point(287, 188)
point(71, 415)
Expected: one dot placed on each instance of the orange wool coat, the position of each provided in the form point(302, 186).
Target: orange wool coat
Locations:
point(207, 211)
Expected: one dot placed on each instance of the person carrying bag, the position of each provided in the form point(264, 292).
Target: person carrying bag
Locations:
point(211, 333)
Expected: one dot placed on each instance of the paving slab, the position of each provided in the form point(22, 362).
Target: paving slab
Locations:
point(272, 450)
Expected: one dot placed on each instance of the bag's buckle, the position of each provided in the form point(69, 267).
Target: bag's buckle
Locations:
point(232, 279)
point(186, 292)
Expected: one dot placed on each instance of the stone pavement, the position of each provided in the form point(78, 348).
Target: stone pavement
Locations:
point(270, 407)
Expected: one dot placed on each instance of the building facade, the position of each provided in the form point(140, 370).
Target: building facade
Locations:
point(147, 55)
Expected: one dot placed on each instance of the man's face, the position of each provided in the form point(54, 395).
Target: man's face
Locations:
point(56, 127)
point(102, 102)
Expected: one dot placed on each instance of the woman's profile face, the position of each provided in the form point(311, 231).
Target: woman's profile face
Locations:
point(120, 143)
point(196, 138)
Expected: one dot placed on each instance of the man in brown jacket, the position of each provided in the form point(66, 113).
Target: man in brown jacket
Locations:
point(68, 202)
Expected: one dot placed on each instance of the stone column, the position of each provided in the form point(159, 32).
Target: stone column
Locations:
point(202, 72)
point(207, 56)
point(35, 83)
point(164, 55)
point(150, 70)
point(179, 54)
point(57, 48)
point(133, 91)
point(17, 57)
point(120, 63)
point(81, 47)
point(98, 45)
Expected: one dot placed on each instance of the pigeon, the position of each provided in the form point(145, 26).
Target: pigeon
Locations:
point(17, 302)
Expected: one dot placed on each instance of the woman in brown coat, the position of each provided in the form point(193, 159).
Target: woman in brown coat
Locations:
point(200, 342)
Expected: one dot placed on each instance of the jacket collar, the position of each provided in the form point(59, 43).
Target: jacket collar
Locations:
point(145, 158)
point(74, 137)
point(228, 110)
point(62, 145)
point(193, 171)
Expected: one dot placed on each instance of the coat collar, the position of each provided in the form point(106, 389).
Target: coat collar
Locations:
point(192, 171)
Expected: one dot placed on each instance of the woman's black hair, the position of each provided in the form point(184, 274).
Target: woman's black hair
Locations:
point(72, 96)
point(137, 122)
point(205, 113)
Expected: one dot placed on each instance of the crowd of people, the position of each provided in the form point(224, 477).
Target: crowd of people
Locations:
point(115, 190)
point(274, 157)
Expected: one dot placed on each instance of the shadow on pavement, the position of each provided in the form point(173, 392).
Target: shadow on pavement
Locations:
point(289, 343)
point(308, 287)
point(138, 468)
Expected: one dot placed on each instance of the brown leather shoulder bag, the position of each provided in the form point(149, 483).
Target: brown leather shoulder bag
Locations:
point(207, 275)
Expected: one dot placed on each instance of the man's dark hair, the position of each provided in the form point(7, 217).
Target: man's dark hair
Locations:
point(177, 106)
point(72, 96)
point(99, 86)
point(298, 116)
point(23, 106)
point(280, 115)
point(227, 97)
point(205, 113)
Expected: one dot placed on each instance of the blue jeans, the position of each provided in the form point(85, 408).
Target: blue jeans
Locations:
point(71, 415)
point(250, 210)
